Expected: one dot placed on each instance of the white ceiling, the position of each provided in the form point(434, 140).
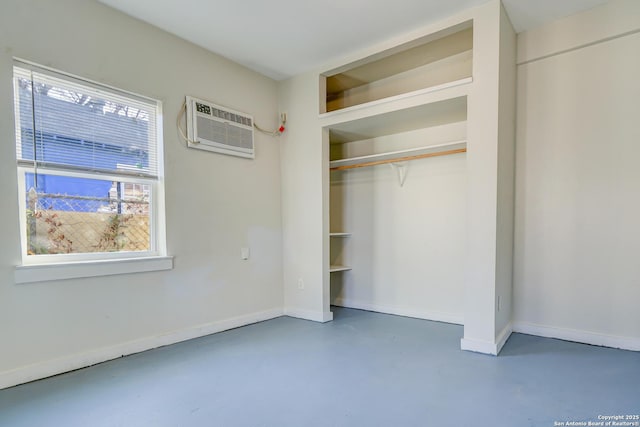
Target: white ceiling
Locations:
point(282, 38)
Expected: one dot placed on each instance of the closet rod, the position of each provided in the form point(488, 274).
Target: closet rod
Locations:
point(399, 159)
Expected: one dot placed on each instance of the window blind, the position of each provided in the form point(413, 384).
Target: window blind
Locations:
point(65, 123)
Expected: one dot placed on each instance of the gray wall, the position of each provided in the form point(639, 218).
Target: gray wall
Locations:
point(576, 270)
point(215, 204)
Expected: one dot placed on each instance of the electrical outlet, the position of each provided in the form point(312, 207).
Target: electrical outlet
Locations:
point(300, 283)
point(244, 253)
point(499, 302)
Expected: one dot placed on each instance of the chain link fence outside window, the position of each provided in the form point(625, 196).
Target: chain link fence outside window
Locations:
point(63, 224)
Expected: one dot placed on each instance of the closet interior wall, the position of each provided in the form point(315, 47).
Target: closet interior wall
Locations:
point(406, 242)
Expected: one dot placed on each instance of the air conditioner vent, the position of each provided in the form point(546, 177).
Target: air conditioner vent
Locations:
point(214, 128)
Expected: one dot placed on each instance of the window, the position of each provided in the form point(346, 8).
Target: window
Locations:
point(89, 169)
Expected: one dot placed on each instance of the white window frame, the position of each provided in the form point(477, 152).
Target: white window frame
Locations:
point(45, 267)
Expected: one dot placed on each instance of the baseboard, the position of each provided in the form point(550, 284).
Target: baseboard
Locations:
point(417, 314)
point(487, 347)
point(316, 316)
point(585, 337)
point(503, 337)
point(479, 346)
point(81, 360)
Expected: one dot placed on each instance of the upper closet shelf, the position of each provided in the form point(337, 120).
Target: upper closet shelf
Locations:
point(428, 95)
point(399, 156)
point(424, 65)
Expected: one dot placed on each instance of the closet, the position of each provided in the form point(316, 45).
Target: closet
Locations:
point(396, 127)
point(375, 148)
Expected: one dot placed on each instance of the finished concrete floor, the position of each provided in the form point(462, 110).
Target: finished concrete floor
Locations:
point(362, 369)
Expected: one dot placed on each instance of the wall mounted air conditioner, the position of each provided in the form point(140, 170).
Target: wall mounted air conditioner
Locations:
point(219, 129)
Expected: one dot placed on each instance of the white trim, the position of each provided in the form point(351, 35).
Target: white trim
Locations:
point(479, 346)
point(487, 347)
point(585, 337)
point(60, 170)
point(502, 338)
point(437, 316)
point(105, 267)
point(606, 22)
point(579, 47)
point(22, 214)
point(158, 213)
point(81, 360)
point(316, 316)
